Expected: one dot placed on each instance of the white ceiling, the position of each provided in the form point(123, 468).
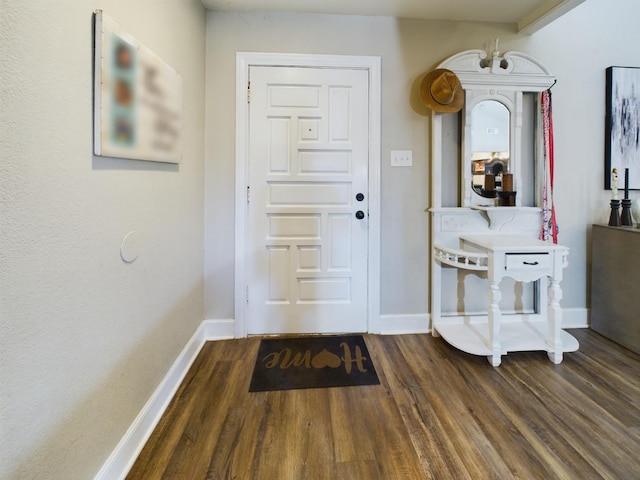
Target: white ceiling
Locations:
point(527, 15)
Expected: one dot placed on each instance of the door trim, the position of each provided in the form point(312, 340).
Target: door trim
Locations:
point(244, 60)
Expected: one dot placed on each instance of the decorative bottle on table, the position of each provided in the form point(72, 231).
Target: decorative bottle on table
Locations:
point(614, 217)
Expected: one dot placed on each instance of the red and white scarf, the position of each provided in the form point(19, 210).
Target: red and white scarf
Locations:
point(549, 230)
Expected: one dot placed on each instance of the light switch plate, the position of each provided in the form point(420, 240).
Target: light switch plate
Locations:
point(401, 158)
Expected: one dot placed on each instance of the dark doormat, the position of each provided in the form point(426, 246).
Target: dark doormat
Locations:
point(312, 362)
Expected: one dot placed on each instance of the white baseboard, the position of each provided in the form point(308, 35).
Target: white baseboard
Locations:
point(401, 324)
point(122, 458)
point(218, 329)
point(575, 317)
point(420, 323)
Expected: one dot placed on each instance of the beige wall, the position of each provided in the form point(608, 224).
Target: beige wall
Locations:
point(85, 339)
point(577, 48)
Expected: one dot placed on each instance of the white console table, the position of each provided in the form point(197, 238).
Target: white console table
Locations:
point(526, 260)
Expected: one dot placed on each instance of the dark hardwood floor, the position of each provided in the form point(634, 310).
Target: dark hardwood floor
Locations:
point(438, 413)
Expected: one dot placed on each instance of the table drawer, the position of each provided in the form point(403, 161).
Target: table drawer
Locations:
point(527, 261)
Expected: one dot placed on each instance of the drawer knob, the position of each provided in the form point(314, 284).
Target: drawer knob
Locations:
point(530, 263)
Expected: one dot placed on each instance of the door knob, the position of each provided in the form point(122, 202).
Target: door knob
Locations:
point(359, 197)
point(359, 214)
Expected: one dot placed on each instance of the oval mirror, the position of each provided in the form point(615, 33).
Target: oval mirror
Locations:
point(489, 146)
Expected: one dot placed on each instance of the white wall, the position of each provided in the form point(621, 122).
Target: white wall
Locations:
point(577, 48)
point(85, 339)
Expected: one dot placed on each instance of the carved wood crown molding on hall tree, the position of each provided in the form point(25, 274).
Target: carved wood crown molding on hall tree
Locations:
point(512, 71)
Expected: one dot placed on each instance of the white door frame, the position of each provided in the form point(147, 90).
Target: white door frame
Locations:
point(373, 65)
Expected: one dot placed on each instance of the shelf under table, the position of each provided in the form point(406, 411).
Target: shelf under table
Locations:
point(518, 335)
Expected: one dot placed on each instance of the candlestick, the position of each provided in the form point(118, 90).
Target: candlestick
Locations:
point(614, 184)
point(489, 182)
point(625, 216)
point(626, 184)
point(507, 199)
point(507, 182)
point(614, 217)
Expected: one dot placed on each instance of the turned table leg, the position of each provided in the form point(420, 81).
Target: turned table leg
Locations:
point(554, 316)
point(494, 323)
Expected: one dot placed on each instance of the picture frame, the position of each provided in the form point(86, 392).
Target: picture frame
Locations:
point(622, 125)
point(137, 98)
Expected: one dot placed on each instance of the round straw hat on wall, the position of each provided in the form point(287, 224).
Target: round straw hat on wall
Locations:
point(442, 91)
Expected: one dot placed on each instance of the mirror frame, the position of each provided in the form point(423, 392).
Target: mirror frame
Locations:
point(504, 78)
point(512, 100)
point(479, 190)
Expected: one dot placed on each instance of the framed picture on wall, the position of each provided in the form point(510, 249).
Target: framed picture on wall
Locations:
point(622, 124)
point(137, 98)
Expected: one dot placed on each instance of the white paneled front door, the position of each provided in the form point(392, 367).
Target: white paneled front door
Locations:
point(308, 195)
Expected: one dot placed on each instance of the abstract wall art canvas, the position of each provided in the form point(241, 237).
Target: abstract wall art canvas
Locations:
point(622, 124)
point(137, 98)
